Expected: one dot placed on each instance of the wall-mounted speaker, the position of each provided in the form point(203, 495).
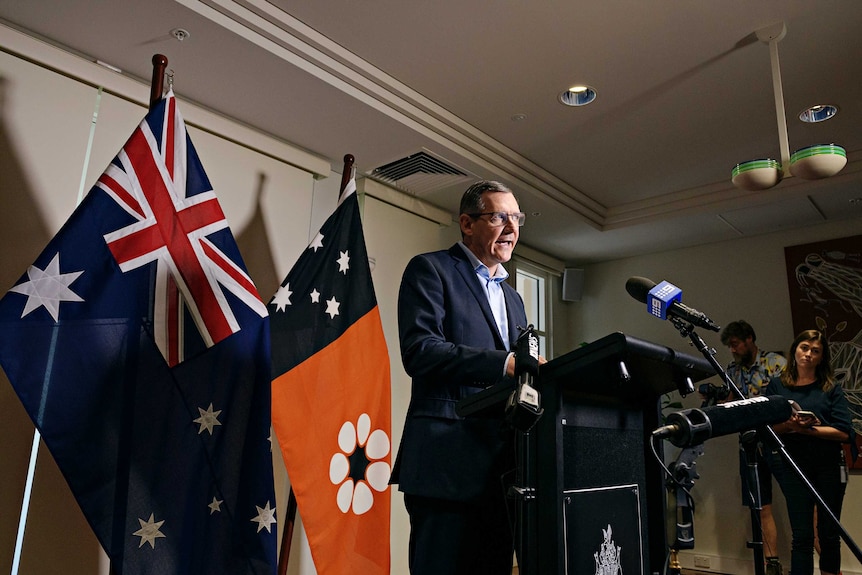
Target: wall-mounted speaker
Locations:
point(573, 284)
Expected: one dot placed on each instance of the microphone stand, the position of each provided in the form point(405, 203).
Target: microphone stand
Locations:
point(522, 411)
point(686, 329)
point(679, 485)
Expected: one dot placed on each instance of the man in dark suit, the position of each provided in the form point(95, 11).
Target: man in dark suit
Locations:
point(458, 321)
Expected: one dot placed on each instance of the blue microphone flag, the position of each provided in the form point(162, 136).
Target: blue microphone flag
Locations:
point(661, 297)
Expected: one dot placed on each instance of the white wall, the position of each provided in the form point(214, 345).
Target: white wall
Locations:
point(739, 279)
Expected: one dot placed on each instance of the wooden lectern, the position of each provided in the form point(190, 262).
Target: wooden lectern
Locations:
point(592, 496)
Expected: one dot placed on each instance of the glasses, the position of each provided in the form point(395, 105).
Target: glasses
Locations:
point(497, 219)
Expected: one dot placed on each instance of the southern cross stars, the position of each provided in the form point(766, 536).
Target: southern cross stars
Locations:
point(332, 307)
point(208, 419)
point(317, 242)
point(47, 288)
point(265, 517)
point(215, 505)
point(343, 262)
point(282, 297)
point(149, 531)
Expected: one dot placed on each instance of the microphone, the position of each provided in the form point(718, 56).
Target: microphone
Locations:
point(694, 426)
point(665, 300)
point(527, 352)
point(523, 407)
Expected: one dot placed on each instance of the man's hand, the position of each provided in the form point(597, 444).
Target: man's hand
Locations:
point(510, 367)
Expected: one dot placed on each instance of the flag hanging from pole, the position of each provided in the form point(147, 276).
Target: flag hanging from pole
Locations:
point(331, 397)
point(139, 347)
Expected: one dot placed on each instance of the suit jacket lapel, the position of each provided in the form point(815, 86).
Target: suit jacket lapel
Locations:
point(462, 264)
point(513, 303)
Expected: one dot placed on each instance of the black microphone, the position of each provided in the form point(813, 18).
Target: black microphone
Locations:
point(694, 426)
point(664, 300)
point(527, 352)
point(523, 408)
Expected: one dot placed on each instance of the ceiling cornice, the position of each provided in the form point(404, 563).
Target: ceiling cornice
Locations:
point(287, 38)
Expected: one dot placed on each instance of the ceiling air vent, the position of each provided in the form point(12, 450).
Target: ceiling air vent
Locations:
point(420, 173)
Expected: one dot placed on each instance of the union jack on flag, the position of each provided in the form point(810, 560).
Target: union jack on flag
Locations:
point(174, 210)
point(140, 349)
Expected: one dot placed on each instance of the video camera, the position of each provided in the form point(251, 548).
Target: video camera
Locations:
point(713, 393)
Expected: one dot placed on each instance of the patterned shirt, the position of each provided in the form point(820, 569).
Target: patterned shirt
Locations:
point(752, 380)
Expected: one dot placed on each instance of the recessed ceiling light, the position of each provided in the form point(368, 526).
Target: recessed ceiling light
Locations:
point(818, 113)
point(578, 96)
point(180, 34)
point(519, 117)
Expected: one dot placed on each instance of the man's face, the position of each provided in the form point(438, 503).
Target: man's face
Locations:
point(743, 350)
point(492, 245)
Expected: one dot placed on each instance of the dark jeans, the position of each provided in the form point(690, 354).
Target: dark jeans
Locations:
point(824, 468)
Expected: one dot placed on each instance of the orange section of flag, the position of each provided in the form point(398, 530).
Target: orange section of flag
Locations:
point(332, 417)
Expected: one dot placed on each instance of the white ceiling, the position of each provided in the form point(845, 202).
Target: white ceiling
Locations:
point(685, 91)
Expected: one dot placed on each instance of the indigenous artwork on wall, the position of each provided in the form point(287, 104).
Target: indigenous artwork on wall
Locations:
point(825, 284)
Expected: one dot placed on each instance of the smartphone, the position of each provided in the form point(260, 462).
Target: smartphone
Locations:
point(808, 417)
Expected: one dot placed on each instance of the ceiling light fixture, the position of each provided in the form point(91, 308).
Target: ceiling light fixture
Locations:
point(819, 113)
point(180, 34)
point(809, 163)
point(578, 95)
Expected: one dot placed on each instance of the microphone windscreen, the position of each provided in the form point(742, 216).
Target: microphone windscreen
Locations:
point(639, 287)
point(527, 353)
point(736, 416)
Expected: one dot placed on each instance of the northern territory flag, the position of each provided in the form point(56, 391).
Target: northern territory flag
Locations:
point(331, 397)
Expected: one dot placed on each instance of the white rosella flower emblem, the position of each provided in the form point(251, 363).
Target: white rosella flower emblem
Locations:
point(359, 469)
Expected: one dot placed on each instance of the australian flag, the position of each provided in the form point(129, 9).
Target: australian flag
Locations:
point(139, 347)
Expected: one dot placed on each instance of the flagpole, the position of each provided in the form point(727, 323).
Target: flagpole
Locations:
point(157, 86)
point(287, 535)
point(290, 517)
point(346, 173)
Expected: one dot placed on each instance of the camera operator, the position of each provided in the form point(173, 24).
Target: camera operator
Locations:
point(751, 370)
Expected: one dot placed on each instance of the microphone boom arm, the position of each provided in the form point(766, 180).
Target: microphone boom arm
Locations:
point(687, 330)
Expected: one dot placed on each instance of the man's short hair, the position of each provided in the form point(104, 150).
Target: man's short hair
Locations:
point(741, 330)
point(472, 202)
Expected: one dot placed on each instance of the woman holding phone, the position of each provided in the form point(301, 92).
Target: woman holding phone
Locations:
point(812, 437)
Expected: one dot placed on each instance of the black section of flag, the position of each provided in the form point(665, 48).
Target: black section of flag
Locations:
point(329, 288)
